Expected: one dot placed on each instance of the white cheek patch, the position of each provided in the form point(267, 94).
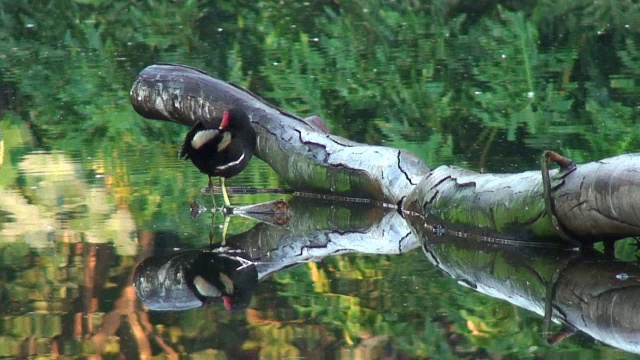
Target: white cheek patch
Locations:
point(202, 137)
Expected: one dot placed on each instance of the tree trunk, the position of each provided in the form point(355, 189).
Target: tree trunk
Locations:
point(591, 202)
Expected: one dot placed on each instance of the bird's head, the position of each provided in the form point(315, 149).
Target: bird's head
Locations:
point(226, 278)
point(234, 119)
point(224, 124)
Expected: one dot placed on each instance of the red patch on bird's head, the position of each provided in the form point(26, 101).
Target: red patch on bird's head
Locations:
point(227, 302)
point(225, 120)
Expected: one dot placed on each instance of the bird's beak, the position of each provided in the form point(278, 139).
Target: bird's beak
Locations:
point(225, 120)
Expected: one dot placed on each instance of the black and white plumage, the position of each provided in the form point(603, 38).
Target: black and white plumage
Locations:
point(194, 278)
point(221, 147)
point(223, 276)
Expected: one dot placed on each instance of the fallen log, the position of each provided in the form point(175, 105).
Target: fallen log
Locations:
point(598, 201)
point(576, 205)
point(299, 151)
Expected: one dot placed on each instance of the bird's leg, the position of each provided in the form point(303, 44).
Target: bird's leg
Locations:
point(212, 230)
point(227, 204)
point(225, 227)
point(215, 206)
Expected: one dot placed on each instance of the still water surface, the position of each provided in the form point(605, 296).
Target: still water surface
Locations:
point(89, 189)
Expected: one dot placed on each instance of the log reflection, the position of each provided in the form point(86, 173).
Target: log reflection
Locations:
point(586, 291)
point(314, 229)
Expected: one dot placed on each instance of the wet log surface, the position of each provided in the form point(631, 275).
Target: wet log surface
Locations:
point(598, 201)
point(577, 205)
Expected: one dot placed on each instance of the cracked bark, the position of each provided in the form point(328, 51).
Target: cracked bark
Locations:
point(300, 151)
point(593, 202)
point(588, 295)
point(598, 201)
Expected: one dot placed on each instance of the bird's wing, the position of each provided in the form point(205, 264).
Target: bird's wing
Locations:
point(202, 137)
point(195, 138)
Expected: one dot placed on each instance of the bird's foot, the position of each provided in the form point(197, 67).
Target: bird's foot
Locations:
point(227, 210)
point(209, 188)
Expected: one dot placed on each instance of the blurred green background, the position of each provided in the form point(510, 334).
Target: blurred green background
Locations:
point(88, 187)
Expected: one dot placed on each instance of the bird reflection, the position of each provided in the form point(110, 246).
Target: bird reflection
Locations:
point(196, 278)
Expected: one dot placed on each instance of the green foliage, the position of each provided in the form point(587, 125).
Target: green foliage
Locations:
point(380, 73)
point(484, 86)
point(73, 63)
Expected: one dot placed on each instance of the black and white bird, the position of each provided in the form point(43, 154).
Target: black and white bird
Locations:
point(195, 278)
point(222, 147)
point(226, 277)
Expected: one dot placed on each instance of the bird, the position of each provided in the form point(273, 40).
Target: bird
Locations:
point(222, 147)
point(223, 275)
point(195, 278)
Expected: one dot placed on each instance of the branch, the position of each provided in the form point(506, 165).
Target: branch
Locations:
point(298, 150)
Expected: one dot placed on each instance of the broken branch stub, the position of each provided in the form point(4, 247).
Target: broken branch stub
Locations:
point(298, 150)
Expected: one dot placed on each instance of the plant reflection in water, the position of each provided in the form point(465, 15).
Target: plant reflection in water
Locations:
point(582, 295)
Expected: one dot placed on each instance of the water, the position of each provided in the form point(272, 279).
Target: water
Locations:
point(88, 189)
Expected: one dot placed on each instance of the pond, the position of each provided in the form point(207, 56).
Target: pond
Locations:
point(94, 197)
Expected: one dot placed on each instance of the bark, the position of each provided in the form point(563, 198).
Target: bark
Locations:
point(601, 200)
point(315, 229)
point(575, 205)
point(592, 202)
point(585, 290)
point(299, 151)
